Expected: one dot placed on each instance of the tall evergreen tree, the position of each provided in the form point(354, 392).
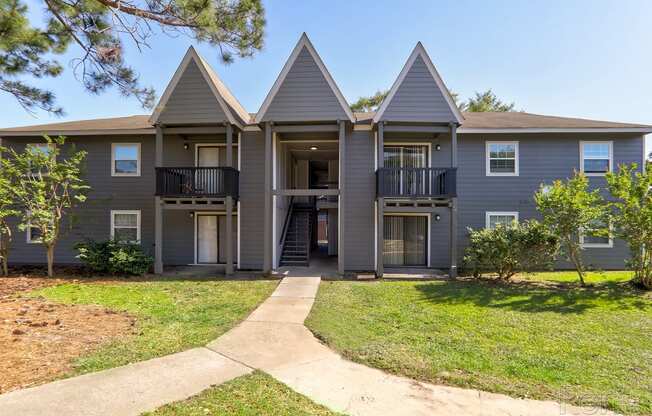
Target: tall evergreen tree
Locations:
point(100, 28)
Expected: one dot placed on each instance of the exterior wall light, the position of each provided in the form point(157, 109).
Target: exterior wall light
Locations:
point(313, 148)
point(437, 217)
point(186, 146)
point(192, 214)
point(437, 147)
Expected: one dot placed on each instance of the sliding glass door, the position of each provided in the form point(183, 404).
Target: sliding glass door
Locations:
point(405, 240)
point(406, 156)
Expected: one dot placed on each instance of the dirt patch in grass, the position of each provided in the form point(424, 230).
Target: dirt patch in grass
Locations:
point(40, 338)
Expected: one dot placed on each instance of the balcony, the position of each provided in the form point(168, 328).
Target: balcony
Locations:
point(197, 182)
point(416, 182)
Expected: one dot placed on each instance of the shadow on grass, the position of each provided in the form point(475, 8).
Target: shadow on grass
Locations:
point(535, 298)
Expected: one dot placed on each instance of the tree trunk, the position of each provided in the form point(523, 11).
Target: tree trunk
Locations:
point(579, 267)
point(5, 266)
point(50, 254)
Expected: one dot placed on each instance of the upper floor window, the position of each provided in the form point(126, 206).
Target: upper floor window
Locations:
point(125, 159)
point(125, 226)
point(493, 219)
point(43, 148)
point(596, 158)
point(502, 158)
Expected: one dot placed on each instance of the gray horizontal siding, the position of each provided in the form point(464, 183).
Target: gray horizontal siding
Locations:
point(543, 158)
point(360, 191)
point(92, 219)
point(305, 95)
point(252, 200)
point(192, 100)
point(418, 98)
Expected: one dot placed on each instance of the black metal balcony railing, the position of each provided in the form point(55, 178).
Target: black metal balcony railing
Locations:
point(208, 182)
point(416, 182)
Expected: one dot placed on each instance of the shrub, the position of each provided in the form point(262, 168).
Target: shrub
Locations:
point(507, 250)
point(115, 257)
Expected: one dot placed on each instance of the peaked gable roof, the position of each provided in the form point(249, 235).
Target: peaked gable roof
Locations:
point(304, 90)
point(186, 97)
point(419, 94)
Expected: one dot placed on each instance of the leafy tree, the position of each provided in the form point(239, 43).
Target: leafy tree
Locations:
point(47, 188)
point(570, 209)
point(369, 103)
point(7, 210)
point(486, 102)
point(506, 250)
point(632, 217)
point(100, 27)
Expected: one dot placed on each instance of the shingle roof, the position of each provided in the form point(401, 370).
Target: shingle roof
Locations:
point(473, 121)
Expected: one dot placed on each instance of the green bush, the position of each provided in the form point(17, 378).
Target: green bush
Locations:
point(115, 257)
point(507, 250)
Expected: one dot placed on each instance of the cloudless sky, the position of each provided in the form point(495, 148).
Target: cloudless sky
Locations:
point(579, 58)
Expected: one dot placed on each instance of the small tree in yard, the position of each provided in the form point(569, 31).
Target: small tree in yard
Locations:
point(47, 187)
point(507, 250)
point(7, 210)
point(632, 217)
point(570, 209)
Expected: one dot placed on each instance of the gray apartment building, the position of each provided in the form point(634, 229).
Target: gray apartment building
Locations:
point(304, 179)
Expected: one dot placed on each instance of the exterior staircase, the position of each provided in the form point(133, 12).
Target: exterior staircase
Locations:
point(296, 247)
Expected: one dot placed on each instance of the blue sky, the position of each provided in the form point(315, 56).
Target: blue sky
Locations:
point(588, 59)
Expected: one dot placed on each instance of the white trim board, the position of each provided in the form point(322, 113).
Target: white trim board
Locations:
point(303, 42)
point(487, 160)
point(138, 165)
point(611, 156)
point(419, 50)
point(488, 214)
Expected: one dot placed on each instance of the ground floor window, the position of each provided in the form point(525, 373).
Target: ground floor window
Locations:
point(405, 240)
point(596, 240)
point(500, 218)
point(125, 226)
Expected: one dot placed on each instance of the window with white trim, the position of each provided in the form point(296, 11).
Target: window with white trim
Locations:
point(596, 158)
point(501, 158)
point(597, 240)
point(125, 159)
point(33, 234)
point(44, 148)
point(494, 219)
point(125, 226)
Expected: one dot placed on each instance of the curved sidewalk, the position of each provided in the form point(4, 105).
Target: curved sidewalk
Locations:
point(273, 339)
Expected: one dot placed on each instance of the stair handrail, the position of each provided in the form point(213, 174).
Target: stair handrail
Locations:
point(286, 223)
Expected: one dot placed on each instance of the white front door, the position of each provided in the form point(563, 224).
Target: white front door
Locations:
point(207, 239)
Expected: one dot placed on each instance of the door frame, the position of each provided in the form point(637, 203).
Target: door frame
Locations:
point(196, 237)
point(198, 145)
point(428, 215)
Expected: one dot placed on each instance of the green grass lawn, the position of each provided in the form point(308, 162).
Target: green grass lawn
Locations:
point(585, 346)
point(172, 315)
point(571, 277)
point(252, 395)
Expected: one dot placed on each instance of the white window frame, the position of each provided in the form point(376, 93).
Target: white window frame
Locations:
point(610, 244)
point(138, 164)
point(489, 214)
point(29, 234)
point(50, 145)
point(611, 155)
point(487, 158)
point(122, 211)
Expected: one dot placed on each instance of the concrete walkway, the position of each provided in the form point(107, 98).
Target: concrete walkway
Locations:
point(273, 339)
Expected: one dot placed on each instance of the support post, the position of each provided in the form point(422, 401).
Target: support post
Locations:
point(267, 232)
point(229, 203)
point(380, 221)
point(453, 208)
point(341, 209)
point(158, 208)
